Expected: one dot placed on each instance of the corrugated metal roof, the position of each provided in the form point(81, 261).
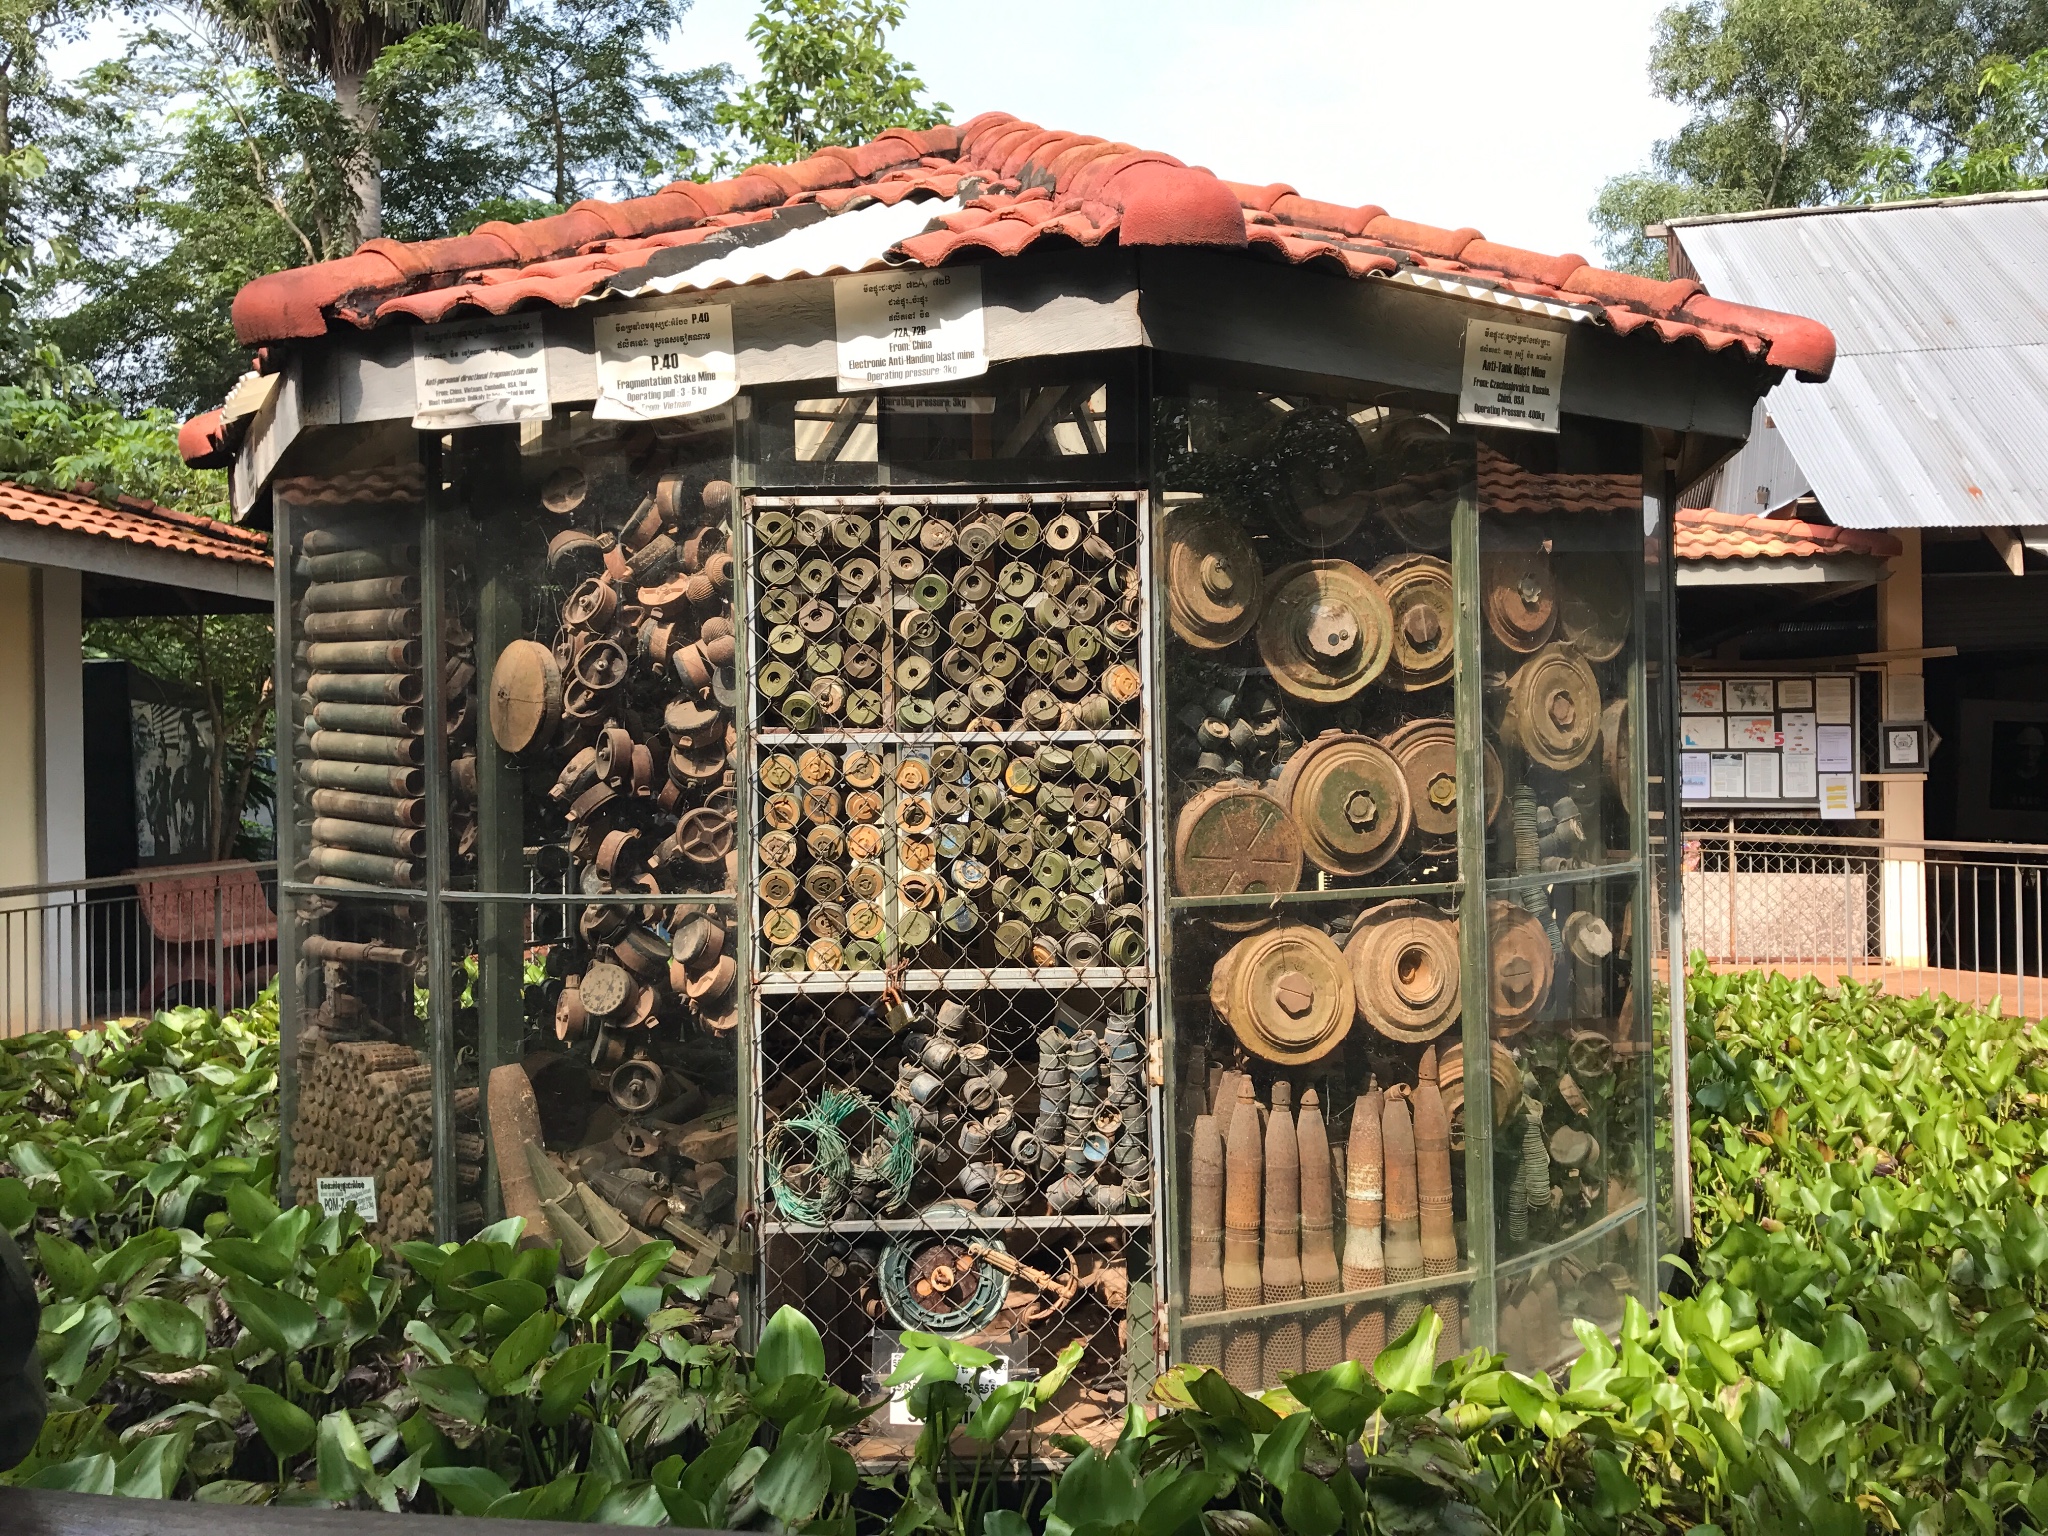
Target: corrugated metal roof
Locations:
point(1762, 477)
point(1937, 413)
point(851, 241)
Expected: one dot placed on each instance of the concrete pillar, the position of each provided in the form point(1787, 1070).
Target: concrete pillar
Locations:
point(60, 740)
point(1905, 869)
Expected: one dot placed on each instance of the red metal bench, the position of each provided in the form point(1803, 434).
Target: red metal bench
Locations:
point(213, 937)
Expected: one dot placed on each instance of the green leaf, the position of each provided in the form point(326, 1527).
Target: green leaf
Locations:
point(466, 1490)
point(152, 1467)
point(278, 1320)
point(17, 1205)
point(1409, 1363)
point(1280, 1452)
point(86, 1474)
point(250, 1209)
point(521, 1350)
point(453, 1390)
point(790, 1346)
point(70, 1271)
point(1308, 1506)
point(1213, 1394)
point(242, 1258)
point(568, 1378)
point(1178, 1501)
point(792, 1483)
point(285, 1427)
point(171, 1329)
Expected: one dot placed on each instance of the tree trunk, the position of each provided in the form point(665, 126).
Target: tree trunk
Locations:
point(365, 178)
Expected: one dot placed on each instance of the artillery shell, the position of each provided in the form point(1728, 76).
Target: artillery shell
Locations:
point(385, 810)
point(356, 746)
point(372, 593)
point(363, 778)
point(370, 837)
point(363, 624)
point(368, 868)
point(364, 688)
point(364, 656)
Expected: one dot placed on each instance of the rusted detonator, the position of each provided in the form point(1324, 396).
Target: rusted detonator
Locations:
point(1205, 1241)
point(1365, 1264)
point(1280, 1274)
point(1404, 1243)
point(1325, 1342)
point(1242, 1172)
point(1433, 1189)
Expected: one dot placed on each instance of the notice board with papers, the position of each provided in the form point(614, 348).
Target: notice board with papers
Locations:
point(1770, 741)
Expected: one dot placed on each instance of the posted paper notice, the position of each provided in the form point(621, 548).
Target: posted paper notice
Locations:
point(1514, 376)
point(1834, 700)
point(909, 327)
point(1692, 770)
point(1837, 748)
point(1798, 779)
point(654, 363)
point(1703, 733)
point(1699, 697)
point(1760, 775)
point(1726, 775)
point(1837, 797)
point(479, 373)
point(338, 1195)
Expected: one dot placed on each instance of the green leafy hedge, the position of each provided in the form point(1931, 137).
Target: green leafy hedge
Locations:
point(1862, 1345)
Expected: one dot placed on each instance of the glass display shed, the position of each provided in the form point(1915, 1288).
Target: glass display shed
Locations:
point(1159, 844)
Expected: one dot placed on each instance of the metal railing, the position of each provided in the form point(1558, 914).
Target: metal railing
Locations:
point(1966, 919)
point(79, 952)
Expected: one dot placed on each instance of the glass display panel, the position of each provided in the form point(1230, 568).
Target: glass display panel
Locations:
point(1312, 760)
point(1039, 421)
point(587, 565)
point(1561, 583)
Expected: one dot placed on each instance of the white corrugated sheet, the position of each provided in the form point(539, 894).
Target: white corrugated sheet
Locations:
point(852, 241)
point(1937, 413)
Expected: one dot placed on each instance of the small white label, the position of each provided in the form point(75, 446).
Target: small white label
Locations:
point(654, 363)
point(479, 373)
point(1902, 749)
point(909, 327)
point(990, 1377)
point(940, 405)
point(358, 1194)
point(1514, 376)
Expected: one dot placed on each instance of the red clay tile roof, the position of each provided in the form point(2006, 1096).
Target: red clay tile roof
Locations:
point(1020, 184)
point(133, 521)
point(1504, 486)
point(1701, 533)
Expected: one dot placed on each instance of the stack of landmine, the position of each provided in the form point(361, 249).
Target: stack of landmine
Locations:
point(1261, 1228)
point(366, 1109)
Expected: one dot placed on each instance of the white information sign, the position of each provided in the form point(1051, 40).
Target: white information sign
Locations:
point(1760, 775)
point(338, 1195)
point(1698, 696)
point(908, 326)
point(479, 373)
point(1800, 732)
point(1514, 375)
point(1703, 733)
point(1726, 776)
point(1797, 779)
point(673, 361)
point(979, 1384)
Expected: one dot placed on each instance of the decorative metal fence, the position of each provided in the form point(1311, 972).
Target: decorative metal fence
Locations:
point(79, 952)
point(1965, 919)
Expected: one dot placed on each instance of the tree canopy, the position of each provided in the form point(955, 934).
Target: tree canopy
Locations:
point(1793, 103)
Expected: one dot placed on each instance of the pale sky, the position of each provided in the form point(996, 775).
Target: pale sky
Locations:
point(1505, 117)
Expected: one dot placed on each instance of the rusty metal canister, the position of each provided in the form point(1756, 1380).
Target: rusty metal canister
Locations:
point(1348, 797)
point(1286, 993)
point(368, 868)
point(1554, 711)
point(363, 655)
point(1235, 839)
point(1404, 964)
point(374, 719)
point(370, 837)
point(1518, 597)
point(377, 592)
point(360, 747)
point(1214, 582)
point(1324, 1345)
point(363, 624)
point(1427, 751)
point(1365, 1265)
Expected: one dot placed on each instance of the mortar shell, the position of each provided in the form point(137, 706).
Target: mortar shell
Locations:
point(1280, 1274)
point(1241, 1193)
point(1205, 1219)
point(1364, 1193)
point(1433, 1172)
